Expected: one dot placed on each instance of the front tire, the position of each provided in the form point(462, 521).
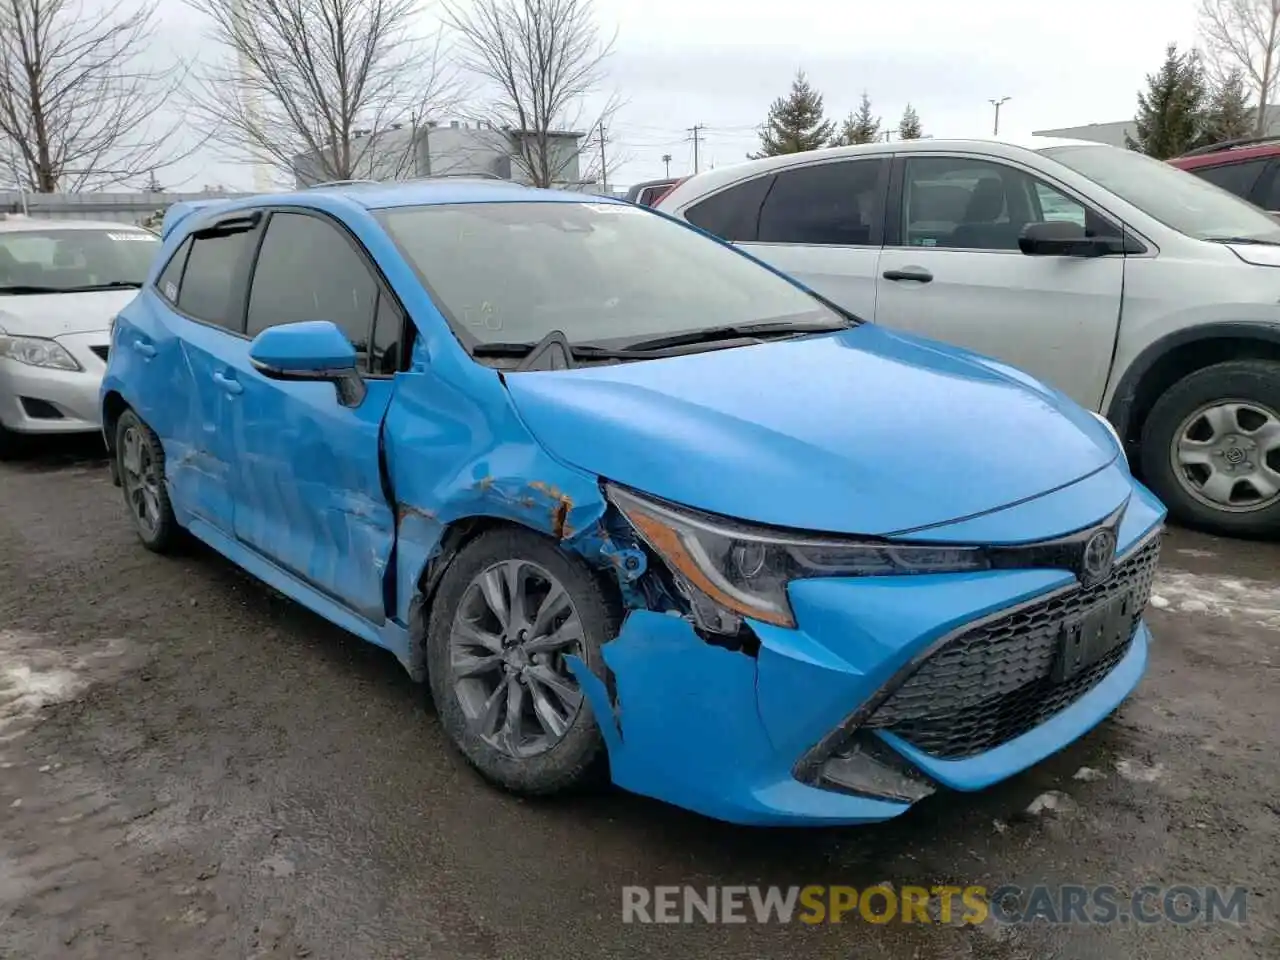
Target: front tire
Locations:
point(13, 445)
point(509, 610)
point(1211, 449)
point(140, 463)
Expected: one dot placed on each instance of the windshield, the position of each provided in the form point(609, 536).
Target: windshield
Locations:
point(1176, 198)
point(601, 273)
point(55, 260)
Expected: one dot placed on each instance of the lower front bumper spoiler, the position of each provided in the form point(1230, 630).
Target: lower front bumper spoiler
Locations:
point(685, 728)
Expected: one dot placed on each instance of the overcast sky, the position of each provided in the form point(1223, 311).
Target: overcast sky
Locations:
point(721, 62)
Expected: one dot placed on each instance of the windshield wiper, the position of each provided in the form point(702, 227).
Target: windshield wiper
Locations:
point(1253, 241)
point(737, 331)
point(515, 349)
point(28, 288)
point(110, 285)
point(22, 288)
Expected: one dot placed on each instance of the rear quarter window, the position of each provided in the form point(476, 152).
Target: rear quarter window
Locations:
point(732, 214)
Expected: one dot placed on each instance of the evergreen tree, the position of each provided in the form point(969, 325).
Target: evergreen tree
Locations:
point(1227, 115)
point(860, 127)
point(909, 125)
point(796, 123)
point(1170, 117)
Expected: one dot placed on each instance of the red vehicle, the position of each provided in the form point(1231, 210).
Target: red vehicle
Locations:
point(1249, 168)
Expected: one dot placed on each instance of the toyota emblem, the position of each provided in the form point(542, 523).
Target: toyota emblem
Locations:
point(1099, 552)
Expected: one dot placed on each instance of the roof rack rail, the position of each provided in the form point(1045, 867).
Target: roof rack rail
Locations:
point(339, 183)
point(476, 175)
point(1230, 145)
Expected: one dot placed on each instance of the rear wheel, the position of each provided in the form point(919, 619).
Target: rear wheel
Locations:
point(1211, 448)
point(510, 610)
point(140, 462)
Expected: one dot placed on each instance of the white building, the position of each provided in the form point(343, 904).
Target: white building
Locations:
point(456, 149)
point(1113, 133)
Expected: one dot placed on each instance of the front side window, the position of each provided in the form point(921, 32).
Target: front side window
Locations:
point(608, 273)
point(308, 270)
point(1176, 198)
point(70, 260)
point(965, 203)
point(211, 288)
point(828, 204)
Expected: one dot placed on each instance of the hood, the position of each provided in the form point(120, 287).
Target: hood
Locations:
point(862, 432)
point(56, 314)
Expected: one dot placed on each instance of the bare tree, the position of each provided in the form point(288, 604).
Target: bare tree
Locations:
point(326, 89)
point(1244, 36)
point(540, 60)
point(78, 104)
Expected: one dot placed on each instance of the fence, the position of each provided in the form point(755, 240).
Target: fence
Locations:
point(118, 207)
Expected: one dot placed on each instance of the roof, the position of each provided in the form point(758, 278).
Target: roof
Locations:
point(451, 190)
point(383, 196)
point(1229, 152)
point(1009, 148)
point(10, 223)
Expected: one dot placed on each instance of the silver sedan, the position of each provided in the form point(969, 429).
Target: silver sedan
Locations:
point(61, 284)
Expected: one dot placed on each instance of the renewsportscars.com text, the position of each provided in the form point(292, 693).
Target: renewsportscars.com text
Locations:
point(945, 904)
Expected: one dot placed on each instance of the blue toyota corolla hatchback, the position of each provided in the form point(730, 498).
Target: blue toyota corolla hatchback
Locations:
point(631, 502)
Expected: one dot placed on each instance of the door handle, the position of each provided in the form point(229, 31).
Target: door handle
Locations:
point(918, 274)
point(144, 348)
point(230, 384)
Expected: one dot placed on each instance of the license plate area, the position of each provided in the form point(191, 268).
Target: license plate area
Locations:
point(1086, 639)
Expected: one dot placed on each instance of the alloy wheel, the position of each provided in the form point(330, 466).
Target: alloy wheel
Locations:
point(513, 629)
point(141, 481)
point(1227, 455)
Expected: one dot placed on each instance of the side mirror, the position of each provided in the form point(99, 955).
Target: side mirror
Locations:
point(1064, 238)
point(313, 350)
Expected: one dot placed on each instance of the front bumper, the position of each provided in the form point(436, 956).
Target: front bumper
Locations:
point(46, 400)
point(744, 738)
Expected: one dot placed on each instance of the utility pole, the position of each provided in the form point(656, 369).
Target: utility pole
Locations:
point(696, 129)
point(995, 130)
point(666, 161)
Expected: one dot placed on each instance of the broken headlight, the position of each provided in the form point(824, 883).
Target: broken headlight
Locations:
point(726, 567)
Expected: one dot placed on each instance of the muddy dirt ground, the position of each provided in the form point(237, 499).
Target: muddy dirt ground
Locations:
point(193, 767)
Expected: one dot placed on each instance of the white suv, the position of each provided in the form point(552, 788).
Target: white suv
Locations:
point(1141, 291)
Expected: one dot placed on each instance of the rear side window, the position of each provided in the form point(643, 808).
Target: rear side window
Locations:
point(1267, 192)
point(211, 289)
point(1237, 178)
point(829, 204)
point(732, 214)
point(171, 277)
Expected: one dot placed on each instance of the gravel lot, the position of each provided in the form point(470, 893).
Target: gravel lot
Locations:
point(193, 767)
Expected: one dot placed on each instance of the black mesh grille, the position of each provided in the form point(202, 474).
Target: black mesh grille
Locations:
point(103, 352)
point(993, 683)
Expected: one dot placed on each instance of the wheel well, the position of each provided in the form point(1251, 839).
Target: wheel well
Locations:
point(456, 536)
point(1188, 358)
point(113, 405)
